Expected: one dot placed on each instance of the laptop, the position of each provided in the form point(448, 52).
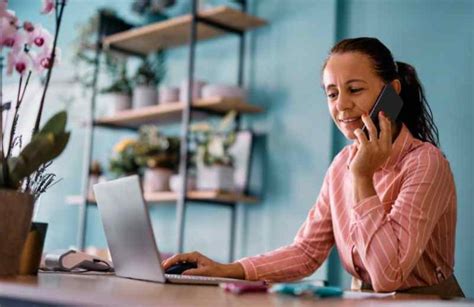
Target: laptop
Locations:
point(130, 236)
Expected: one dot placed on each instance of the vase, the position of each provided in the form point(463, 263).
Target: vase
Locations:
point(16, 211)
point(215, 178)
point(156, 180)
point(144, 96)
point(168, 94)
point(33, 249)
point(120, 102)
point(196, 90)
point(175, 183)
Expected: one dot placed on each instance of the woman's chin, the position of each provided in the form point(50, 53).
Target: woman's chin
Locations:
point(349, 135)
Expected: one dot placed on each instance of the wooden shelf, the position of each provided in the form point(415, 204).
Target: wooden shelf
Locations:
point(171, 112)
point(176, 32)
point(160, 197)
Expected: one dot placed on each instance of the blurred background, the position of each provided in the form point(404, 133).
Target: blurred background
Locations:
point(297, 139)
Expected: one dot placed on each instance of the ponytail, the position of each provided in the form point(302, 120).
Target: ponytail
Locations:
point(416, 113)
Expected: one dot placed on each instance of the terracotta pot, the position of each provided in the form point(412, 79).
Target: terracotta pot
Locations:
point(16, 211)
point(157, 179)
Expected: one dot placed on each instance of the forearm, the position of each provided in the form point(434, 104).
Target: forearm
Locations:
point(234, 270)
point(363, 187)
point(284, 264)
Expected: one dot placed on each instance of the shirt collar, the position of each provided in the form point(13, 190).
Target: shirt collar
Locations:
point(399, 148)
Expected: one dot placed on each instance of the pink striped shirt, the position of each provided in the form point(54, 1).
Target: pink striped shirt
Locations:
point(403, 237)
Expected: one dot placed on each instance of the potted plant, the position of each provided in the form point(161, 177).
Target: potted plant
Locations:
point(159, 156)
point(152, 10)
point(211, 151)
point(123, 161)
point(24, 176)
point(120, 90)
point(147, 77)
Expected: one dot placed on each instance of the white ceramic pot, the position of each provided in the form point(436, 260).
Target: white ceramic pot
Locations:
point(168, 94)
point(119, 102)
point(144, 96)
point(215, 177)
point(175, 183)
point(222, 90)
point(156, 179)
point(196, 90)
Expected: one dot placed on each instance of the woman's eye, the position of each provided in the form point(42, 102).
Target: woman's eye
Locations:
point(355, 90)
point(331, 95)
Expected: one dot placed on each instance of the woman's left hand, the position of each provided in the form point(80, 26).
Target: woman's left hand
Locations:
point(374, 151)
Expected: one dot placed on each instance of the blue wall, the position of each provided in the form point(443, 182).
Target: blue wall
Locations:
point(282, 75)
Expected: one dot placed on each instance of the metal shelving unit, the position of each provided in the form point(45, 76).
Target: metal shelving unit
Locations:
point(179, 31)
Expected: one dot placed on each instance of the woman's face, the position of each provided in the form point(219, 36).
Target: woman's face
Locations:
point(351, 87)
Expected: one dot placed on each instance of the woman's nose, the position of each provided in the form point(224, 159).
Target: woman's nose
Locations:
point(343, 102)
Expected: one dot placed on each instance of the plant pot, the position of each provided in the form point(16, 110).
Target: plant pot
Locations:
point(33, 249)
point(197, 86)
point(16, 210)
point(144, 96)
point(119, 102)
point(216, 177)
point(175, 183)
point(168, 94)
point(156, 180)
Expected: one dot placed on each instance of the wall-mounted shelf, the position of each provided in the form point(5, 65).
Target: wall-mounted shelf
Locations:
point(162, 197)
point(171, 112)
point(175, 32)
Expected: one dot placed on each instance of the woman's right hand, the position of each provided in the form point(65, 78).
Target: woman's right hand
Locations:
point(206, 266)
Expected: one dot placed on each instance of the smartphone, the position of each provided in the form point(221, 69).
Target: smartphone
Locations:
point(389, 102)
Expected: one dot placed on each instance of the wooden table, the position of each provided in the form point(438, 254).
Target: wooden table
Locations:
point(69, 289)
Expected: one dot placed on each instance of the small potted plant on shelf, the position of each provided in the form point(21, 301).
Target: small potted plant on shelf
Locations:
point(24, 165)
point(159, 156)
point(152, 10)
point(120, 90)
point(147, 77)
point(211, 149)
point(123, 161)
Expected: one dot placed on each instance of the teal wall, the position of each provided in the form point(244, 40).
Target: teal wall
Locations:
point(282, 75)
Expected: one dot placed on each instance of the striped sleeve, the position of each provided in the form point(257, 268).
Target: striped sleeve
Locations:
point(307, 252)
point(391, 243)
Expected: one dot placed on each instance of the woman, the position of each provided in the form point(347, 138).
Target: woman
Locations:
point(388, 201)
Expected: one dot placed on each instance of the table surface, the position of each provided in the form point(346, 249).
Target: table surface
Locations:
point(100, 289)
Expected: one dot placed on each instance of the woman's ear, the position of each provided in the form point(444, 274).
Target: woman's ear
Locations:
point(397, 86)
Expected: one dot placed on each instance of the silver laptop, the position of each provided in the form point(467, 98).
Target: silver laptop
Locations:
point(130, 236)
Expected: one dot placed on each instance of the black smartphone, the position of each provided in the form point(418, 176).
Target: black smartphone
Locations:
point(389, 102)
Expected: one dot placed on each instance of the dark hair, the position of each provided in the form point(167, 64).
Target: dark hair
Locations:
point(416, 113)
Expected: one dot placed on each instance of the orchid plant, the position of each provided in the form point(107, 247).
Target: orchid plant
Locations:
point(30, 48)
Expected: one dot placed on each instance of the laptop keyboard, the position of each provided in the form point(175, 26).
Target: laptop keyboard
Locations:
point(193, 277)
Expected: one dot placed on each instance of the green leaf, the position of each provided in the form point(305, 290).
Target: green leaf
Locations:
point(43, 148)
point(55, 124)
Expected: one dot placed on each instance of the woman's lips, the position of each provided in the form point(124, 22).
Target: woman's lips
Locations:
point(349, 119)
point(351, 123)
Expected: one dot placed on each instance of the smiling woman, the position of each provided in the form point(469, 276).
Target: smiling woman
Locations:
point(388, 200)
